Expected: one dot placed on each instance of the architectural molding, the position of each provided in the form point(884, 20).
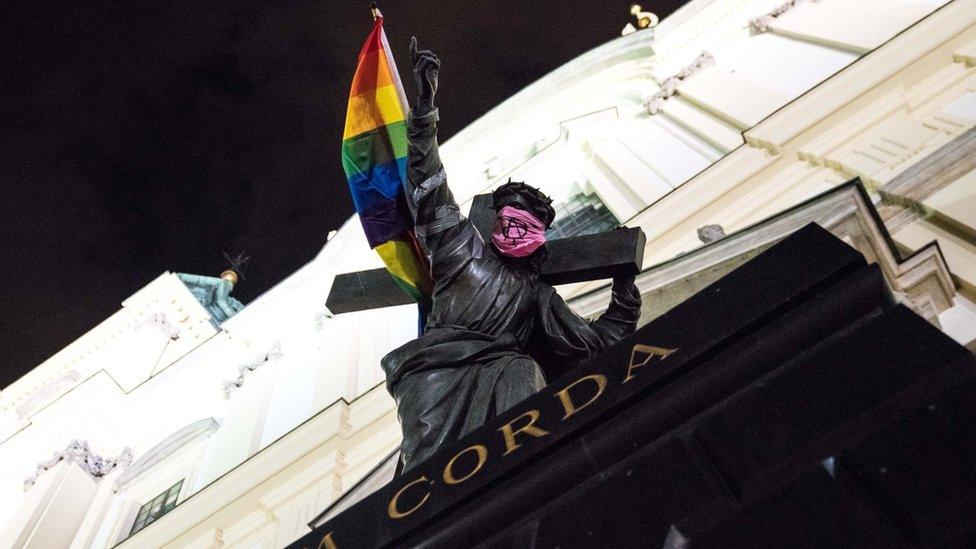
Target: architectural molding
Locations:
point(332, 465)
point(165, 294)
point(846, 211)
point(273, 353)
point(669, 87)
point(159, 320)
point(314, 435)
point(966, 55)
point(819, 148)
point(700, 191)
point(377, 478)
point(197, 430)
point(51, 388)
point(864, 76)
point(763, 23)
point(78, 452)
point(933, 172)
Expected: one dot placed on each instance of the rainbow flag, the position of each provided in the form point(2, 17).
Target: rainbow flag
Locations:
point(374, 157)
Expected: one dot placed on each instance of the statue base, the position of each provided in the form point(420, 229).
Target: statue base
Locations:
point(791, 402)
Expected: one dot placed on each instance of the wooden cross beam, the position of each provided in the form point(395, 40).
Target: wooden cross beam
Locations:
point(573, 259)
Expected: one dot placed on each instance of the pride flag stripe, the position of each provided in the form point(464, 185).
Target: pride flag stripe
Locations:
point(399, 257)
point(377, 146)
point(391, 66)
point(374, 73)
point(371, 110)
point(378, 183)
point(374, 158)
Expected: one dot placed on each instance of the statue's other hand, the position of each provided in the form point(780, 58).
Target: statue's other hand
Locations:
point(426, 67)
point(625, 283)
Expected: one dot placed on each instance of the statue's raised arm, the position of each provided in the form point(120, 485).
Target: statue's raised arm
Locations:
point(426, 67)
point(438, 223)
point(424, 161)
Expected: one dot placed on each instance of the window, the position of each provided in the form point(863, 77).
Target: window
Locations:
point(579, 215)
point(159, 506)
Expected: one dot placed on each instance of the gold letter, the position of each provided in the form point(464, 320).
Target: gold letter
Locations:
point(528, 429)
point(449, 472)
point(392, 509)
point(328, 542)
point(601, 384)
point(648, 350)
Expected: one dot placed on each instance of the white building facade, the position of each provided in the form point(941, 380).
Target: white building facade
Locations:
point(180, 423)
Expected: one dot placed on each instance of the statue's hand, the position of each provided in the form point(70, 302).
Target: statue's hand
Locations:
point(426, 65)
point(626, 284)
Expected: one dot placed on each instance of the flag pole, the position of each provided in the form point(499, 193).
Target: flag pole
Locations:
point(376, 12)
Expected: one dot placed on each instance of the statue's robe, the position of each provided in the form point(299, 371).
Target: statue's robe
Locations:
point(473, 362)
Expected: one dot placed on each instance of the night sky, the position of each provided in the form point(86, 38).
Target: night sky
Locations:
point(143, 137)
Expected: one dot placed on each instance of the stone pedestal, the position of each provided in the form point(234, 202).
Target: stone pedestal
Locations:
point(789, 403)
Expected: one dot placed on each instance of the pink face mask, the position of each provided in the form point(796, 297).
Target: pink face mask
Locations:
point(517, 233)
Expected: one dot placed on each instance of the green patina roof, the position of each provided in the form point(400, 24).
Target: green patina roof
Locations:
point(214, 294)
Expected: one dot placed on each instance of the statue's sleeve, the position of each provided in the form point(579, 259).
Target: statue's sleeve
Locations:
point(572, 338)
point(449, 239)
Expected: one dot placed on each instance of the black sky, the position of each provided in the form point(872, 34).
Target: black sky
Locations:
point(141, 137)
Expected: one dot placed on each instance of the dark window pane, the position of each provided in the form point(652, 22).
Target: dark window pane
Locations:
point(157, 507)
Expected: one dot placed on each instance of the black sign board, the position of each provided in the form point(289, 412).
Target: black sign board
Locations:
point(749, 391)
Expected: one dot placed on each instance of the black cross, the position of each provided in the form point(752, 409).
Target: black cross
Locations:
point(573, 259)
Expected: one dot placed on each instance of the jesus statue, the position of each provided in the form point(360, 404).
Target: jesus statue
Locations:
point(490, 308)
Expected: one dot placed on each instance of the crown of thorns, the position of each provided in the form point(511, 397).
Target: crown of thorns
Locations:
point(527, 196)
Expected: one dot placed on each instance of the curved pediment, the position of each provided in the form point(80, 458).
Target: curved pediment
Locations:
point(195, 431)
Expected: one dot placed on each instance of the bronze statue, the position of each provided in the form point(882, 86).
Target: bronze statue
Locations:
point(490, 310)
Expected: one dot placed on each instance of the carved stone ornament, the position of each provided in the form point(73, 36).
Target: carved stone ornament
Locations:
point(273, 353)
point(762, 23)
point(669, 87)
point(160, 320)
point(79, 452)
